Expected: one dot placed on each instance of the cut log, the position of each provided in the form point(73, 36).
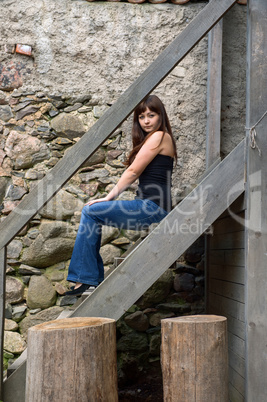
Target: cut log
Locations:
point(157, 1)
point(73, 359)
point(136, 1)
point(194, 358)
point(179, 1)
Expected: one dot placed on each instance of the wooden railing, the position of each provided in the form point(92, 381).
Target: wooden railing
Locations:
point(87, 145)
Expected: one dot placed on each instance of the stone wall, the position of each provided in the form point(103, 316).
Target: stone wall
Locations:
point(100, 49)
point(82, 56)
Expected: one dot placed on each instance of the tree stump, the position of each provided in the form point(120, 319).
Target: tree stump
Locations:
point(136, 1)
point(194, 359)
point(72, 359)
point(179, 1)
point(157, 1)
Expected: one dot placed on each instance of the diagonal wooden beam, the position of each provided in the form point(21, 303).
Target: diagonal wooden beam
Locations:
point(112, 119)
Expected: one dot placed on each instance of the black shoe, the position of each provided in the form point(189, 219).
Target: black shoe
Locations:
point(79, 291)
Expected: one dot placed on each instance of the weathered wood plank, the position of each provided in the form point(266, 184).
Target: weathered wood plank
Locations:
point(208, 170)
point(237, 363)
point(237, 381)
point(236, 327)
point(234, 291)
point(228, 241)
point(214, 93)
point(234, 395)
point(3, 254)
point(226, 273)
point(228, 225)
point(21, 359)
point(236, 344)
point(227, 306)
point(238, 206)
point(14, 386)
point(235, 258)
point(256, 306)
point(108, 123)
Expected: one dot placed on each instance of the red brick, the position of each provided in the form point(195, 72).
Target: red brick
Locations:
point(24, 49)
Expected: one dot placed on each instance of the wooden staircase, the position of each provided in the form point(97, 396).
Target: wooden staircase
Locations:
point(172, 236)
point(157, 251)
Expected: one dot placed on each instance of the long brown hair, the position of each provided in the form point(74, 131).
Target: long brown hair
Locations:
point(139, 136)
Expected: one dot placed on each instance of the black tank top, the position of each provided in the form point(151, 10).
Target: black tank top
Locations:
point(155, 182)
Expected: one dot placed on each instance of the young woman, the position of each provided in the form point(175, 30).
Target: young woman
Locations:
point(151, 160)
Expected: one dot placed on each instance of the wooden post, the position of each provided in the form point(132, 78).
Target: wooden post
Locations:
point(214, 93)
point(194, 359)
point(3, 254)
point(213, 133)
point(256, 212)
point(73, 359)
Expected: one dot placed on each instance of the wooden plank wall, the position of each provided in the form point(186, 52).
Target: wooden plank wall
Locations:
point(225, 289)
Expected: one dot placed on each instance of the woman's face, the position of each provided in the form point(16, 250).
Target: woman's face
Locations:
point(149, 121)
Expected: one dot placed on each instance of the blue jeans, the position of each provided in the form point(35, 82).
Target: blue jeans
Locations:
point(86, 265)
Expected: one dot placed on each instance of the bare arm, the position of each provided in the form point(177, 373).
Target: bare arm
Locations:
point(146, 154)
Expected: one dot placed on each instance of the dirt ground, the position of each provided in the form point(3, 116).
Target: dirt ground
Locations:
point(148, 389)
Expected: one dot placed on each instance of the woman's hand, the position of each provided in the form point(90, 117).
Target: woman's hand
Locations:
point(98, 200)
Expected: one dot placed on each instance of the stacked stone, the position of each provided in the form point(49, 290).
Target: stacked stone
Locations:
point(36, 130)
